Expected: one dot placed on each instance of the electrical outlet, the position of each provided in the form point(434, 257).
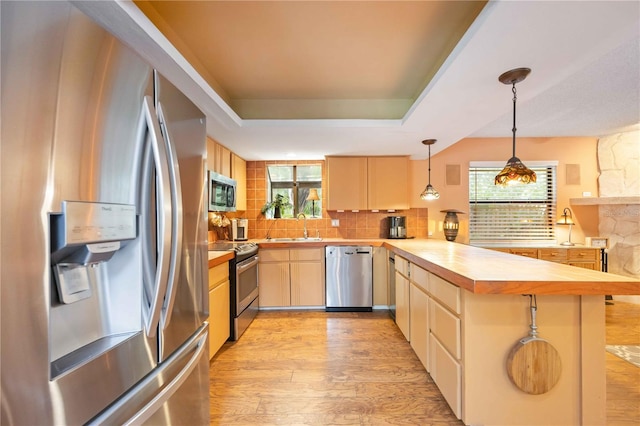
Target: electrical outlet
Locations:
point(586, 194)
point(335, 222)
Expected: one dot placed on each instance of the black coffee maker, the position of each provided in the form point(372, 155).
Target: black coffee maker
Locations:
point(397, 226)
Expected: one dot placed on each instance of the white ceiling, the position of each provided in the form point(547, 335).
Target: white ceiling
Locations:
point(585, 81)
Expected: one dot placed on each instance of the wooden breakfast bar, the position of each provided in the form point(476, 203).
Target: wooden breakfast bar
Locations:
point(465, 311)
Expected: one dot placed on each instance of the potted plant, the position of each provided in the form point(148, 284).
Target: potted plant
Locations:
point(276, 205)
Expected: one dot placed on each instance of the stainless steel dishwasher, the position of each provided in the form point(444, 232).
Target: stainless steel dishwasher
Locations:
point(349, 278)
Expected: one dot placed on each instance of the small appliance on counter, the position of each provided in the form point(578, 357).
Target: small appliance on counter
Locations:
point(239, 229)
point(397, 226)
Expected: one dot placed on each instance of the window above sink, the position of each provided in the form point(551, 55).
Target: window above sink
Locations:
point(295, 183)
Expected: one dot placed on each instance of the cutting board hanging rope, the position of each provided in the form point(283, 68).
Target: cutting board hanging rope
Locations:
point(534, 365)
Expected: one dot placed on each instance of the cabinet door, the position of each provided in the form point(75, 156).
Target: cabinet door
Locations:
point(273, 284)
point(346, 183)
point(388, 183)
point(219, 317)
point(239, 173)
point(307, 284)
point(211, 154)
point(402, 305)
point(222, 160)
point(419, 319)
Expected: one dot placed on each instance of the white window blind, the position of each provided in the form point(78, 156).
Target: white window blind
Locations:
point(524, 214)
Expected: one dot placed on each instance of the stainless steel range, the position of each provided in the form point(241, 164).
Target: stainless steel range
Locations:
point(243, 278)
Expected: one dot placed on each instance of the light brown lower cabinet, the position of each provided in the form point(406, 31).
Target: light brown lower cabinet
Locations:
point(433, 324)
point(403, 319)
point(419, 319)
point(219, 308)
point(291, 277)
point(582, 257)
point(463, 340)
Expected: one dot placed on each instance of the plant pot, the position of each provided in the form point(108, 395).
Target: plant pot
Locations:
point(276, 213)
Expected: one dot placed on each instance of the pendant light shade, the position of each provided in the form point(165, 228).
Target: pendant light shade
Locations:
point(514, 171)
point(429, 192)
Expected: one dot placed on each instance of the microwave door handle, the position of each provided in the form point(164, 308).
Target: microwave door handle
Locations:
point(176, 221)
point(163, 228)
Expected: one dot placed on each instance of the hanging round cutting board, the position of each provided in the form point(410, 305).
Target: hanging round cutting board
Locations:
point(533, 364)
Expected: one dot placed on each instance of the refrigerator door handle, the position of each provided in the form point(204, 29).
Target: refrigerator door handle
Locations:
point(176, 220)
point(152, 390)
point(163, 228)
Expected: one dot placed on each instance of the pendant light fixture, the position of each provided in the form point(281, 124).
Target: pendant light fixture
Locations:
point(429, 192)
point(515, 171)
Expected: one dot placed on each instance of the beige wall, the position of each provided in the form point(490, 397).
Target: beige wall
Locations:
point(576, 151)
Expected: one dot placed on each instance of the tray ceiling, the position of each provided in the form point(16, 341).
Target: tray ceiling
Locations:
point(315, 60)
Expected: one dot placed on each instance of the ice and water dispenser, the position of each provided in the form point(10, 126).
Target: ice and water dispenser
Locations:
point(94, 296)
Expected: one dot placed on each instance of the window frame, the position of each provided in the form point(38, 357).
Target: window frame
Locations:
point(295, 186)
point(488, 218)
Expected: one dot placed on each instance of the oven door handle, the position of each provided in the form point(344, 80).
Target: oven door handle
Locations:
point(246, 264)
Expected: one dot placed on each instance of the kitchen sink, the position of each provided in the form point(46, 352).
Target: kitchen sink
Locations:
point(276, 240)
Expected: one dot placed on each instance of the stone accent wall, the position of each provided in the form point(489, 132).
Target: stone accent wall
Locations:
point(619, 163)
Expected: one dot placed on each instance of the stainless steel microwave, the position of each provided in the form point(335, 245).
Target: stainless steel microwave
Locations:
point(222, 193)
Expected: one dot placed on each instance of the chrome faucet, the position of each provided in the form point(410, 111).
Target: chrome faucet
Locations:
point(306, 235)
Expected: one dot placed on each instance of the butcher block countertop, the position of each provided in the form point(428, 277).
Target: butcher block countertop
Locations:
point(484, 271)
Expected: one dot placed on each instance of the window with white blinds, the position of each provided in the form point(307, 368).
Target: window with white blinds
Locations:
point(523, 213)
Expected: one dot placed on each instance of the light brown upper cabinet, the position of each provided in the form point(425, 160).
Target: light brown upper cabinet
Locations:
point(218, 158)
point(388, 184)
point(239, 173)
point(346, 183)
point(222, 160)
point(367, 183)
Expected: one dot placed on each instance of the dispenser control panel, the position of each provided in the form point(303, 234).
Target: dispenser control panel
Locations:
point(95, 222)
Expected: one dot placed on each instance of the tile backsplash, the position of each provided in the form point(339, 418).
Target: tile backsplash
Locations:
point(362, 224)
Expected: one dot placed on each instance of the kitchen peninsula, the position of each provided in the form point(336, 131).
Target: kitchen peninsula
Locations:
point(467, 311)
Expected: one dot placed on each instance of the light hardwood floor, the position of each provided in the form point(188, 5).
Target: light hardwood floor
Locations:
point(623, 378)
point(317, 368)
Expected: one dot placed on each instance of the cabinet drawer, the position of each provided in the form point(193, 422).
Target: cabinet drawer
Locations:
point(445, 292)
point(419, 277)
point(447, 374)
point(586, 265)
point(583, 254)
point(402, 266)
point(305, 254)
point(527, 252)
point(554, 255)
point(274, 255)
point(218, 274)
point(446, 327)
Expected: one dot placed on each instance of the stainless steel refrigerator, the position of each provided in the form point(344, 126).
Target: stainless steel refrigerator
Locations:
point(103, 230)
